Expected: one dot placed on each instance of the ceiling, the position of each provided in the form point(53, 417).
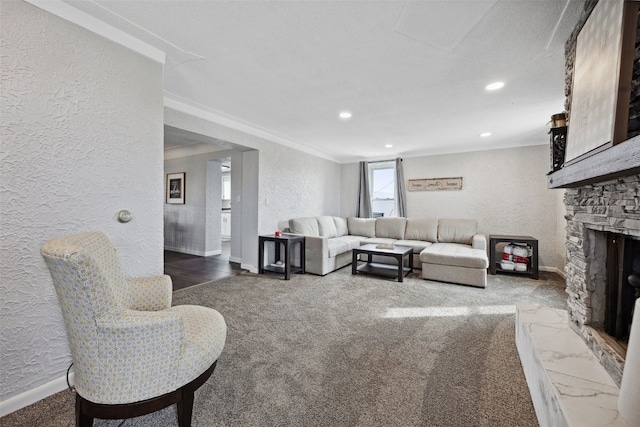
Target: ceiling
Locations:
point(413, 74)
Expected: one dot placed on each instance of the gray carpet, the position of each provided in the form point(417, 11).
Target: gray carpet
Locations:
point(345, 350)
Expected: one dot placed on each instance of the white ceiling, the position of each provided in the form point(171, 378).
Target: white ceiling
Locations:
point(412, 73)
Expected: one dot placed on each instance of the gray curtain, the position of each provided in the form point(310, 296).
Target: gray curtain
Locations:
point(364, 198)
point(401, 192)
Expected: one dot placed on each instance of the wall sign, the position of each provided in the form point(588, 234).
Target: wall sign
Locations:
point(435, 184)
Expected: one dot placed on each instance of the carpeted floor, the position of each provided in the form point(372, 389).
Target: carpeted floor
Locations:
point(345, 350)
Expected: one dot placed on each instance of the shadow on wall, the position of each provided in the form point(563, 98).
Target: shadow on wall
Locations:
point(175, 233)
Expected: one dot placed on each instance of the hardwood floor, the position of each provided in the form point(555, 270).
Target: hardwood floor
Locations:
point(188, 270)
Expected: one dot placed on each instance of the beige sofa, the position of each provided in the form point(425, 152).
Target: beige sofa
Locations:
point(449, 250)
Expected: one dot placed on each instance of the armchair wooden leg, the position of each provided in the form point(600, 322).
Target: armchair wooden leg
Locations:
point(185, 404)
point(82, 420)
point(185, 408)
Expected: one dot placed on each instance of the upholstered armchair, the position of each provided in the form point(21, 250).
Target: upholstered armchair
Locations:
point(132, 352)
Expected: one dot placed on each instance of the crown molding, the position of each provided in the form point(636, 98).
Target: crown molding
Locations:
point(88, 22)
point(241, 125)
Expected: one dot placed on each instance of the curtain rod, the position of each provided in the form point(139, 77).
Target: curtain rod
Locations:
point(381, 161)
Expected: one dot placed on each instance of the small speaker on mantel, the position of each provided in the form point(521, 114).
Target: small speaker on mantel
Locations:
point(629, 398)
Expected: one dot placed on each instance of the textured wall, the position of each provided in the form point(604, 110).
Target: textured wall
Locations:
point(505, 190)
point(561, 231)
point(190, 227)
point(290, 183)
point(81, 122)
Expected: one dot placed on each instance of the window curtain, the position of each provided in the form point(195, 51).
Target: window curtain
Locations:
point(364, 198)
point(401, 191)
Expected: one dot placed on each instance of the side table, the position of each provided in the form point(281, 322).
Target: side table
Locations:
point(288, 242)
point(495, 258)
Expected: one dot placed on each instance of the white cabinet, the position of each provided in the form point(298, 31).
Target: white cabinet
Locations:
point(226, 225)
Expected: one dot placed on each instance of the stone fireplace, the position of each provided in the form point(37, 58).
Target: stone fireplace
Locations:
point(602, 220)
point(603, 212)
point(573, 359)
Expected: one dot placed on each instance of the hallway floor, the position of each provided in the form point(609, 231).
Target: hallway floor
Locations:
point(188, 270)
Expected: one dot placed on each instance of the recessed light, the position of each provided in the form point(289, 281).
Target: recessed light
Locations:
point(495, 86)
point(388, 146)
point(345, 115)
point(485, 134)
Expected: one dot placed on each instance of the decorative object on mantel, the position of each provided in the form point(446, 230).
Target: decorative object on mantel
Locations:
point(558, 141)
point(435, 184)
point(176, 188)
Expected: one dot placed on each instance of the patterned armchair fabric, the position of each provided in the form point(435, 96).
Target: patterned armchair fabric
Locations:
point(128, 344)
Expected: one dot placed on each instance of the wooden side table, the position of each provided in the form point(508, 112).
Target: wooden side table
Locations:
point(288, 242)
point(495, 258)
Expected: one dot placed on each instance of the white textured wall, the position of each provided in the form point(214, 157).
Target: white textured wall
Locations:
point(213, 226)
point(290, 184)
point(191, 227)
point(81, 122)
point(561, 231)
point(505, 190)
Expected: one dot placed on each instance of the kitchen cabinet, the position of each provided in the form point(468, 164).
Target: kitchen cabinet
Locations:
point(226, 225)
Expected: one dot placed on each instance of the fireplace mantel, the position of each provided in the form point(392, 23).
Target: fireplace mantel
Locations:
point(620, 160)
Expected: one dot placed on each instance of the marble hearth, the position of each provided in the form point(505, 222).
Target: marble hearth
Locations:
point(572, 368)
point(568, 385)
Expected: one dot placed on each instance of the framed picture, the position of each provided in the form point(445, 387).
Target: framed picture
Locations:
point(175, 188)
point(435, 184)
point(599, 112)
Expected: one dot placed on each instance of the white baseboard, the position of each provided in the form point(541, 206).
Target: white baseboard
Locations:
point(236, 260)
point(553, 270)
point(192, 252)
point(250, 267)
point(34, 395)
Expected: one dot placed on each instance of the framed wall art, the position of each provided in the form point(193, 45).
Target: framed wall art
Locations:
point(175, 188)
point(599, 80)
point(435, 184)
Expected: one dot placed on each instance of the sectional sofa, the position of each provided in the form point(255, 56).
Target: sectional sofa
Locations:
point(449, 250)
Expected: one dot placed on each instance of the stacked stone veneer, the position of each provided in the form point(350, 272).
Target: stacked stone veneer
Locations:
point(611, 206)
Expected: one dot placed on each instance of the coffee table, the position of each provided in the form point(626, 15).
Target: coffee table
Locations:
point(379, 269)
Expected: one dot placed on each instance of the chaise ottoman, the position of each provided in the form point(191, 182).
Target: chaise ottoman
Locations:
point(455, 263)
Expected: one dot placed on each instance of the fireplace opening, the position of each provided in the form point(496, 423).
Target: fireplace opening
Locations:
point(622, 273)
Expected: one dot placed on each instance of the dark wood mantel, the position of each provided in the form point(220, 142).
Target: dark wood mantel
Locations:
point(620, 160)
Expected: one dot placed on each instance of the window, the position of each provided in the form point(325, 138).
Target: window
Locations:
point(226, 187)
point(382, 178)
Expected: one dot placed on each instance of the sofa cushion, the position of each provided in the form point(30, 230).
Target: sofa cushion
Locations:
point(457, 230)
point(392, 228)
point(306, 226)
point(341, 225)
point(336, 247)
point(351, 241)
point(362, 226)
point(361, 239)
point(421, 229)
point(417, 245)
point(455, 255)
point(326, 226)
